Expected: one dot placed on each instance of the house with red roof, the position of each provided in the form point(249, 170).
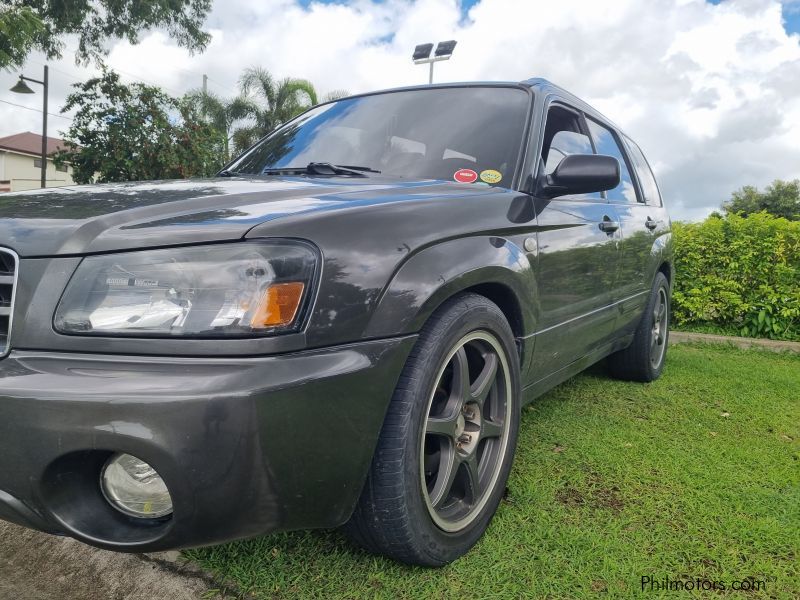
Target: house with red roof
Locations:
point(20, 163)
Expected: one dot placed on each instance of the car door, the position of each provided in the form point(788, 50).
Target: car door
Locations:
point(640, 222)
point(577, 256)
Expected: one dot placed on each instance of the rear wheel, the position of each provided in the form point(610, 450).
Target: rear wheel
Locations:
point(644, 359)
point(448, 440)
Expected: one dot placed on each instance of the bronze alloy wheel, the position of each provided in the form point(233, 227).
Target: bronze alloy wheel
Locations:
point(466, 431)
point(447, 444)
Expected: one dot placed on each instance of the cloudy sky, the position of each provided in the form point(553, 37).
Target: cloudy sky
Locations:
point(709, 88)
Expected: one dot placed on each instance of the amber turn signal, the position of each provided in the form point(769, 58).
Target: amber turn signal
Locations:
point(278, 306)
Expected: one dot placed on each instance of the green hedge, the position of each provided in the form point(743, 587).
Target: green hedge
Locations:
point(738, 275)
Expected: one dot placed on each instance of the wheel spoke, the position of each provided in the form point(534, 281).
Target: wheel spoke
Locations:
point(460, 385)
point(445, 426)
point(448, 470)
point(473, 475)
point(490, 429)
point(483, 384)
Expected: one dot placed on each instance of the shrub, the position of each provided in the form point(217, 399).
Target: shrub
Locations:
point(739, 274)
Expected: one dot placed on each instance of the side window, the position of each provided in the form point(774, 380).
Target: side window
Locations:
point(564, 135)
point(563, 144)
point(606, 143)
point(646, 178)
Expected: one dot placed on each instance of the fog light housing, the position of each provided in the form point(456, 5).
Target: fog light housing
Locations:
point(134, 488)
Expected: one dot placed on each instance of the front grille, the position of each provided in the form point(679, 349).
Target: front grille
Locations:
point(8, 283)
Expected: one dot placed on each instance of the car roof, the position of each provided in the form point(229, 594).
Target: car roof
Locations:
point(548, 87)
point(539, 84)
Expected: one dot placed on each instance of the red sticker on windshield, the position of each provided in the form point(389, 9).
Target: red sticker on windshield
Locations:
point(465, 176)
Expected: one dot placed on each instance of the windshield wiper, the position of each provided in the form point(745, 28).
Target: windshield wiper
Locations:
point(227, 173)
point(358, 168)
point(321, 168)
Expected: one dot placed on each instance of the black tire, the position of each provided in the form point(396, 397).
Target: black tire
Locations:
point(395, 515)
point(644, 359)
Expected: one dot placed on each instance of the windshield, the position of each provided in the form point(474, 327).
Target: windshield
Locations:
point(467, 134)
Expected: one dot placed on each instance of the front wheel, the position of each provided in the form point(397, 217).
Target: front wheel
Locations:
point(448, 441)
point(644, 359)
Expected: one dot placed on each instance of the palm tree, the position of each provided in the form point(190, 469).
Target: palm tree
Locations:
point(222, 114)
point(269, 103)
point(335, 95)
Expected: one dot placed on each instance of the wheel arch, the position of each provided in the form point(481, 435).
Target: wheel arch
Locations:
point(506, 300)
point(668, 270)
point(662, 255)
point(492, 267)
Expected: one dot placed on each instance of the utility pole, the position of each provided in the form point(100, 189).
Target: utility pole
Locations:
point(205, 83)
point(44, 128)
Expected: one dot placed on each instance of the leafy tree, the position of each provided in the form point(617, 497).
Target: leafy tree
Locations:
point(21, 31)
point(270, 102)
point(220, 114)
point(135, 132)
point(45, 24)
point(780, 198)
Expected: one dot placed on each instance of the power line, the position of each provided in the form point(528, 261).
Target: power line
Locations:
point(52, 68)
point(39, 110)
point(222, 86)
point(135, 78)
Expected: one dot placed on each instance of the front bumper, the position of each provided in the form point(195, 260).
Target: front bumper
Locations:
point(246, 446)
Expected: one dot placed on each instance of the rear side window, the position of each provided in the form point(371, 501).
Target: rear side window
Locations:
point(646, 178)
point(605, 142)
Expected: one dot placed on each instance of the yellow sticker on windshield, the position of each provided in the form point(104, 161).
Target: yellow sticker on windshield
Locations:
point(491, 176)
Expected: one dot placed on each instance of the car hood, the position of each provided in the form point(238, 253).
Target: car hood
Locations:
point(109, 217)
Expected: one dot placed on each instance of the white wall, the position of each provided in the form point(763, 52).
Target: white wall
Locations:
point(19, 168)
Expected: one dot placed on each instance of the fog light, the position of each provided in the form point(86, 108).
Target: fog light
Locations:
point(135, 488)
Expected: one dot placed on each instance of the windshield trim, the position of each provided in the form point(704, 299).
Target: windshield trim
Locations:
point(517, 175)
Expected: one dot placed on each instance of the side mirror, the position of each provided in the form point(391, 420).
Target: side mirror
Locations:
point(580, 174)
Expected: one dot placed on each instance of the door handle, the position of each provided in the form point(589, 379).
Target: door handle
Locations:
point(650, 224)
point(608, 225)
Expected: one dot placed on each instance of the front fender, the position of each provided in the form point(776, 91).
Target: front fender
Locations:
point(434, 274)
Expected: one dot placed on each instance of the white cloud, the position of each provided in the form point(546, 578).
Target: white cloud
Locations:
point(709, 91)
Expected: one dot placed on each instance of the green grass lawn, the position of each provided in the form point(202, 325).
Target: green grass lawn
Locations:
point(695, 475)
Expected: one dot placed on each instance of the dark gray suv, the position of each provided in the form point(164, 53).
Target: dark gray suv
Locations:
point(339, 330)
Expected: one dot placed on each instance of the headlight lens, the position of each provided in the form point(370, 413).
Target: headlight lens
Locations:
point(135, 488)
point(243, 289)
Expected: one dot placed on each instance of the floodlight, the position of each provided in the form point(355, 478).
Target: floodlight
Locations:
point(445, 49)
point(422, 52)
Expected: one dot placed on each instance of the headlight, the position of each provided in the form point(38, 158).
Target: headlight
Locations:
point(242, 289)
point(135, 488)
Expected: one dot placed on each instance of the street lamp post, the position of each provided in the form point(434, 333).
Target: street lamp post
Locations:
point(22, 88)
point(422, 55)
